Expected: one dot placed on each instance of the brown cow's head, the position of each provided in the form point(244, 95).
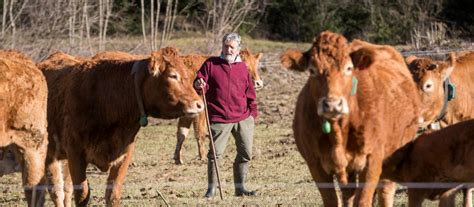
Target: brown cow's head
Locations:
point(330, 65)
point(430, 75)
point(252, 62)
point(167, 90)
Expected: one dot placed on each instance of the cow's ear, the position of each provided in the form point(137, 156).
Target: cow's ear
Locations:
point(258, 56)
point(157, 63)
point(294, 59)
point(362, 58)
point(451, 63)
point(410, 59)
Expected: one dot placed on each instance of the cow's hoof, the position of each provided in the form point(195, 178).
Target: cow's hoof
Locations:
point(178, 162)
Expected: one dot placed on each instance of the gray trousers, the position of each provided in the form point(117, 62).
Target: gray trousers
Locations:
point(243, 134)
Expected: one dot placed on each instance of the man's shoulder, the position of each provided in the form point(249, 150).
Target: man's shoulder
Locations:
point(214, 60)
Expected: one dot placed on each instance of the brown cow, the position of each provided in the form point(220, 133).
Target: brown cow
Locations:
point(440, 160)
point(431, 77)
point(23, 94)
point(94, 109)
point(194, 63)
point(347, 128)
point(435, 80)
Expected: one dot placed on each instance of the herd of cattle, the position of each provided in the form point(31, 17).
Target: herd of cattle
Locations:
point(359, 114)
point(366, 117)
point(65, 112)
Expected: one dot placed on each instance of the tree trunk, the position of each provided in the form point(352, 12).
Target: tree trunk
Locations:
point(101, 26)
point(12, 24)
point(157, 20)
point(4, 17)
point(109, 5)
point(152, 25)
point(143, 22)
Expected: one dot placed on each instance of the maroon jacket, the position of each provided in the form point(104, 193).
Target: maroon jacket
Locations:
point(229, 90)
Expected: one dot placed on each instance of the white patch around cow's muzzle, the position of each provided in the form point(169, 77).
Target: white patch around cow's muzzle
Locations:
point(194, 109)
point(332, 108)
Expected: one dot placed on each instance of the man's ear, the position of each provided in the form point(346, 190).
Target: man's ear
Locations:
point(410, 59)
point(294, 59)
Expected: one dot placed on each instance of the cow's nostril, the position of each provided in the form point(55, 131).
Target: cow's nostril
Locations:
point(326, 104)
point(340, 103)
point(199, 105)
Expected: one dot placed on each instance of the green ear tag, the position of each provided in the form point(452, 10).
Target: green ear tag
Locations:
point(354, 85)
point(451, 91)
point(143, 121)
point(326, 127)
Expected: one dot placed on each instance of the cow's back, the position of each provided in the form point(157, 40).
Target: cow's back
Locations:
point(23, 95)
point(388, 100)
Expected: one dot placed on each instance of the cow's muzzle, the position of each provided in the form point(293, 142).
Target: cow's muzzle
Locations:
point(332, 107)
point(194, 109)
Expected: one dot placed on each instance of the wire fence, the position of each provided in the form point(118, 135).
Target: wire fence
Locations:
point(435, 53)
point(256, 184)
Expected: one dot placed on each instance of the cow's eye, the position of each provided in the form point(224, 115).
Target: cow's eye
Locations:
point(174, 76)
point(428, 86)
point(348, 70)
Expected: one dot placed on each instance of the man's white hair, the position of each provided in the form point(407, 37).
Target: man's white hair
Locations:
point(231, 37)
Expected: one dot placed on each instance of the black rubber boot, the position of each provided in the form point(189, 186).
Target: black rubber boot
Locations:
point(211, 180)
point(240, 174)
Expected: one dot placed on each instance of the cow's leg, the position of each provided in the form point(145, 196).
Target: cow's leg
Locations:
point(348, 192)
point(77, 168)
point(55, 177)
point(200, 128)
point(416, 197)
point(68, 187)
point(325, 184)
point(184, 124)
point(33, 173)
point(370, 178)
point(467, 193)
point(448, 198)
point(386, 193)
point(117, 177)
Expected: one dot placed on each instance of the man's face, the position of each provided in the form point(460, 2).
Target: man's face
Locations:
point(230, 49)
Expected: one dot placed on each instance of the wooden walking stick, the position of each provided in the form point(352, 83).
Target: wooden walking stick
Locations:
point(213, 148)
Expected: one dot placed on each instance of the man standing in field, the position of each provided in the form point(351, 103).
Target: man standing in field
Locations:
point(232, 109)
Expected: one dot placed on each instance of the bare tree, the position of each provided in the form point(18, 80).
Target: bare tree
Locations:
point(12, 23)
point(72, 21)
point(4, 17)
point(143, 21)
point(225, 16)
point(168, 22)
point(156, 27)
point(109, 5)
point(85, 26)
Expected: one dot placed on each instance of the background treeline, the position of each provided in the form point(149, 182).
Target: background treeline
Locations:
point(382, 21)
point(89, 23)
